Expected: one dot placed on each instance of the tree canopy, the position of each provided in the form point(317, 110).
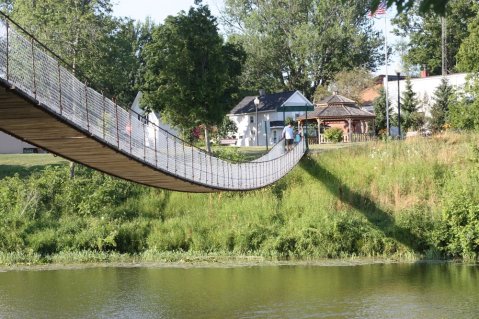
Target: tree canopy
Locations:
point(301, 44)
point(190, 73)
point(424, 32)
point(434, 6)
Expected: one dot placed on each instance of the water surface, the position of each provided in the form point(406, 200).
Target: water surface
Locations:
point(366, 291)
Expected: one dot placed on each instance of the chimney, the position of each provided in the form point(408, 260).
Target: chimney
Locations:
point(262, 92)
point(424, 72)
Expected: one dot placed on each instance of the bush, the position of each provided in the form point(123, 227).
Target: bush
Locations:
point(334, 134)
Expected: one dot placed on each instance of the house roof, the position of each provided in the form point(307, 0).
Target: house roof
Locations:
point(370, 94)
point(335, 99)
point(268, 102)
point(337, 107)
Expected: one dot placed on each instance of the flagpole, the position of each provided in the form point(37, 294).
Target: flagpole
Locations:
point(387, 75)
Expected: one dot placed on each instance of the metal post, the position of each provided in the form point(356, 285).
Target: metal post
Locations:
point(399, 107)
point(257, 132)
point(266, 132)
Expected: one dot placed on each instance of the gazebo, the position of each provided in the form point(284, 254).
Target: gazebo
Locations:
point(339, 111)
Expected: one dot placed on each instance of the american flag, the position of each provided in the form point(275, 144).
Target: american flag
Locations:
point(382, 7)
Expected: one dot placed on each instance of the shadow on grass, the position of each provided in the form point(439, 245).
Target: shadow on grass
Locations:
point(365, 205)
point(22, 171)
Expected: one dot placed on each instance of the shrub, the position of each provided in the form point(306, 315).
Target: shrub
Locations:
point(334, 134)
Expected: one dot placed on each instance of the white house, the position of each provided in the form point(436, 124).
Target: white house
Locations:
point(261, 124)
point(424, 88)
point(152, 117)
point(12, 145)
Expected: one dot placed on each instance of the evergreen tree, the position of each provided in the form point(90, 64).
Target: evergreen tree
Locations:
point(409, 106)
point(443, 96)
point(379, 104)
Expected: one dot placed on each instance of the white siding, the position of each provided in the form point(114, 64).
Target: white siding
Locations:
point(424, 89)
point(246, 135)
point(11, 145)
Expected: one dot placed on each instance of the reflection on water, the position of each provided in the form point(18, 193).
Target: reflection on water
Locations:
point(368, 291)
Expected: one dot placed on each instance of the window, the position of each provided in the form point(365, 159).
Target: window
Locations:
point(143, 118)
point(30, 150)
point(251, 119)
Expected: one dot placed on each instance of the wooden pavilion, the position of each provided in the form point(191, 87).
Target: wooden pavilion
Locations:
point(339, 111)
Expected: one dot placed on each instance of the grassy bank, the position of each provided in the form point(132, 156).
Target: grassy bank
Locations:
point(403, 200)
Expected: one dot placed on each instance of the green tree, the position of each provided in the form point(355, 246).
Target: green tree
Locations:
point(227, 127)
point(351, 83)
point(435, 6)
point(464, 113)
point(301, 44)
point(424, 32)
point(191, 76)
point(443, 98)
point(409, 105)
point(379, 104)
point(468, 54)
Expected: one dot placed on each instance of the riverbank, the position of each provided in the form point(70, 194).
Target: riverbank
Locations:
point(400, 200)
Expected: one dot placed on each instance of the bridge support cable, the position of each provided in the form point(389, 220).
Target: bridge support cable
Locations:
point(32, 73)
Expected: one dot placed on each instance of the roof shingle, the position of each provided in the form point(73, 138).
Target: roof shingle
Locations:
point(268, 102)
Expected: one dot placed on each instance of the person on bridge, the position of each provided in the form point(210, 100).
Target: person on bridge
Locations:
point(288, 136)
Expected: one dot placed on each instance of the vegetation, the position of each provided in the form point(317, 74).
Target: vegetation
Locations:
point(379, 104)
point(334, 134)
point(191, 76)
point(410, 117)
point(414, 199)
point(298, 45)
point(352, 83)
point(423, 29)
point(443, 98)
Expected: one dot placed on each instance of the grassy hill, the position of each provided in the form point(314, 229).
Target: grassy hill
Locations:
point(410, 199)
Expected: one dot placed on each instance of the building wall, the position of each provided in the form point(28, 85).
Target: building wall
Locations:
point(246, 123)
point(424, 89)
point(11, 145)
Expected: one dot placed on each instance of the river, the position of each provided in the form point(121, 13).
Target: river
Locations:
point(421, 290)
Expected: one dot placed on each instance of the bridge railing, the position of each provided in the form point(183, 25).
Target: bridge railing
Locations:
point(32, 69)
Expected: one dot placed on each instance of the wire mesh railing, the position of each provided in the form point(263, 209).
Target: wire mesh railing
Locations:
point(29, 67)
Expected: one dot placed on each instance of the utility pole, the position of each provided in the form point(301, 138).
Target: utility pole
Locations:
point(444, 45)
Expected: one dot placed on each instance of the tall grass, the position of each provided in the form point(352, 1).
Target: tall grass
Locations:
point(403, 199)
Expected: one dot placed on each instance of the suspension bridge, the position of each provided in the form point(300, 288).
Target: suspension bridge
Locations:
point(44, 104)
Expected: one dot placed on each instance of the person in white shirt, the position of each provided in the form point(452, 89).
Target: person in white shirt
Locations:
point(288, 136)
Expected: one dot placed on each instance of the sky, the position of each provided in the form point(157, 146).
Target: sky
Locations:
point(158, 10)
